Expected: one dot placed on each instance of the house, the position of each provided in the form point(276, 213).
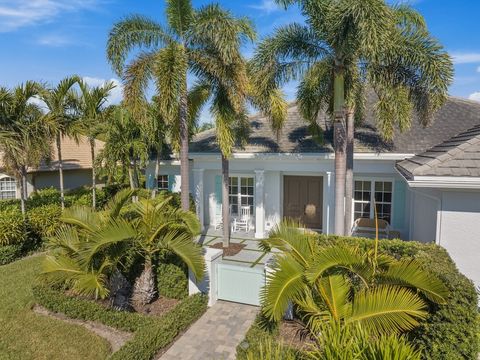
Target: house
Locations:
point(433, 196)
point(77, 170)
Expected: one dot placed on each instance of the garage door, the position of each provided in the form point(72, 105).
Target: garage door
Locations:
point(303, 200)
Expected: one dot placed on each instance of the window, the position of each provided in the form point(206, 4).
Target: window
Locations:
point(366, 192)
point(240, 193)
point(162, 182)
point(8, 188)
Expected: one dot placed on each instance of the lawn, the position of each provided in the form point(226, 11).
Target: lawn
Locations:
point(26, 335)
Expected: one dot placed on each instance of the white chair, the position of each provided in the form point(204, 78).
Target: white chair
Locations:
point(243, 222)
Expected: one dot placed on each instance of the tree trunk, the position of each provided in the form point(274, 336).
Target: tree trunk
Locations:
point(131, 175)
point(94, 175)
point(120, 290)
point(339, 133)
point(22, 191)
point(184, 165)
point(349, 171)
point(144, 288)
point(60, 171)
point(136, 179)
point(157, 171)
point(225, 203)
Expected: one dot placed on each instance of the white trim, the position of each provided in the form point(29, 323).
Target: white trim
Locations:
point(301, 156)
point(446, 182)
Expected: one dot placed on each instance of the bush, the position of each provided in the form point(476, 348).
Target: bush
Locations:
point(151, 334)
point(172, 277)
point(44, 220)
point(43, 197)
point(9, 253)
point(451, 330)
point(12, 204)
point(13, 228)
point(149, 340)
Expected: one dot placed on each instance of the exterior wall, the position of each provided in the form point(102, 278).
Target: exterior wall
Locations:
point(72, 179)
point(460, 230)
point(425, 206)
point(171, 168)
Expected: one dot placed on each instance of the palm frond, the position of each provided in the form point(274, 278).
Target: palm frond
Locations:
point(179, 15)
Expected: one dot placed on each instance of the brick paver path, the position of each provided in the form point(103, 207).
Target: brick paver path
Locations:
point(215, 335)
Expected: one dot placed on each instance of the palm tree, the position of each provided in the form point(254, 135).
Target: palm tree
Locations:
point(354, 42)
point(62, 119)
point(161, 227)
point(92, 113)
point(345, 285)
point(195, 42)
point(25, 140)
point(125, 144)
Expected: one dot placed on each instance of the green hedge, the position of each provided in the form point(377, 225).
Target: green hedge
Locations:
point(149, 340)
point(10, 253)
point(151, 334)
point(44, 220)
point(13, 228)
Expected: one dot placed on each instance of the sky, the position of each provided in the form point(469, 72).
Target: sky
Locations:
point(46, 40)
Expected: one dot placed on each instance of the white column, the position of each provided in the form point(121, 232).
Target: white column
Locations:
point(259, 204)
point(330, 203)
point(198, 175)
point(208, 285)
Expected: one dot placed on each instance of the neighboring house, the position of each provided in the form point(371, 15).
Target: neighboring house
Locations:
point(77, 170)
point(291, 175)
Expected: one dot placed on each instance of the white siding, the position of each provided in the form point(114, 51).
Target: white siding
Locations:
point(460, 230)
point(423, 217)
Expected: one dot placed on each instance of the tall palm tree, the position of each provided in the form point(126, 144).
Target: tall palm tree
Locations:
point(159, 226)
point(195, 42)
point(62, 119)
point(25, 140)
point(92, 114)
point(125, 144)
point(350, 42)
point(345, 285)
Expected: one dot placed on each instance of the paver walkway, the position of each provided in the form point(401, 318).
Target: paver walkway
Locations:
point(215, 335)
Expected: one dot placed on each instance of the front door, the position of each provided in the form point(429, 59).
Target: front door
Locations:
point(303, 200)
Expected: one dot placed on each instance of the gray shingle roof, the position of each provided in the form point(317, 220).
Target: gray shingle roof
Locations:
point(455, 116)
point(458, 156)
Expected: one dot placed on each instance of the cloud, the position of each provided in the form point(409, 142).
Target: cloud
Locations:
point(465, 58)
point(475, 96)
point(267, 6)
point(15, 14)
point(53, 40)
point(478, 69)
point(116, 95)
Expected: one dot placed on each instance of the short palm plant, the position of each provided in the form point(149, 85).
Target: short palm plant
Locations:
point(345, 285)
point(159, 226)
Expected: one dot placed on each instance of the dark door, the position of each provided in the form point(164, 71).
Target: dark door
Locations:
point(303, 200)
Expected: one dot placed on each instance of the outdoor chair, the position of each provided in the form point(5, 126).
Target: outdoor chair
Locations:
point(242, 223)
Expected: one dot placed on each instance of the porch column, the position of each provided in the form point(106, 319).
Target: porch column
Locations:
point(198, 175)
point(259, 204)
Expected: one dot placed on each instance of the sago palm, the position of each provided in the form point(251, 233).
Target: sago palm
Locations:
point(195, 42)
point(159, 226)
point(25, 140)
point(62, 119)
point(92, 115)
point(344, 285)
point(344, 46)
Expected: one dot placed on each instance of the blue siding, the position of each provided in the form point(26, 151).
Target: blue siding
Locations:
point(400, 192)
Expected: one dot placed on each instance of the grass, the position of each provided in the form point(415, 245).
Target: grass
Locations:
point(26, 335)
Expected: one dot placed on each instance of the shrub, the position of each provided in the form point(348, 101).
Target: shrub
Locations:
point(451, 330)
point(12, 204)
point(9, 253)
point(149, 340)
point(45, 219)
point(43, 197)
point(13, 228)
point(172, 277)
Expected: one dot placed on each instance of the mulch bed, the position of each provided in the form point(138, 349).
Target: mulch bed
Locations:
point(293, 334)
point(232, 250)
point(158, 307)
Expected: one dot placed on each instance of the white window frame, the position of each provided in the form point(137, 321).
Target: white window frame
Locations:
point(9, 180)
point(239, 194)
point(161, 179)
point(372, 196)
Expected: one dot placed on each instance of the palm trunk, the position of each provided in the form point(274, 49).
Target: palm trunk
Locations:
point(131, 175)
point(22, 190)
point(94, 175)
point(339, 133)
point(349, 171)
point(184, 165)
point(225, 203)
point(60, 171)
point(135, 174)
point(144, 288)
point(157, 170)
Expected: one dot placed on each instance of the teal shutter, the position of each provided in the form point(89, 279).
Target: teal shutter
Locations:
point(218, 193)
point(400, 192)
point(171, 182)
